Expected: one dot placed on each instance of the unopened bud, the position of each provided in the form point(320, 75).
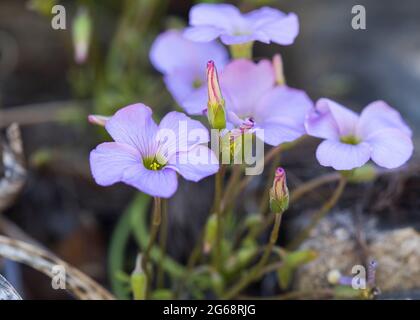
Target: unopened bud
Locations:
point(98, 119)
point(216, 104)
point(138, 280)
point(278, 70)
point(211, 233)
point(279, 193)
point(81, 35)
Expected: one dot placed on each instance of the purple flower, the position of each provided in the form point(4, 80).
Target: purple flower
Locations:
point(210, 21)
point(147, 156)
point(254, 103)
point(183, 63)
point(379, 133)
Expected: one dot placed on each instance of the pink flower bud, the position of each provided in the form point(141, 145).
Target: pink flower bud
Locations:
point(279, 193)
point(216, 104)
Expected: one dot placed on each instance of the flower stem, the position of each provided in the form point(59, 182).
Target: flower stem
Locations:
point(234, 178)
point(156, 220)
point(319, 215)
point(308, 186)
point(218, 211)
point(256, 271)
point(163, 237)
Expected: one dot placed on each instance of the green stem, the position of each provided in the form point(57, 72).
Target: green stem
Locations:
point(255, 273)
point(228, 200)
point(138, 212)
point(310, 185)
point(163, 237)
point(319, 215)
point(218, 212)
point(156, 220)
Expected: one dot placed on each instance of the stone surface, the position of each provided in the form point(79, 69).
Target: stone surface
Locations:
point(396, 251)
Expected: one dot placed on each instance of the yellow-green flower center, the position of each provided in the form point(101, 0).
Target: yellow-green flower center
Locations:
point(197, 83)
point(350, 139)
point(155, 163)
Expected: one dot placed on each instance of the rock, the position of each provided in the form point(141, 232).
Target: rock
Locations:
point(396, 251)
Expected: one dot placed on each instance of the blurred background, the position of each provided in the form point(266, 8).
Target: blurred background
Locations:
point(49, 94)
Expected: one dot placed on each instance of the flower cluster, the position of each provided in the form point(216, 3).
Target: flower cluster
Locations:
point(245, 97)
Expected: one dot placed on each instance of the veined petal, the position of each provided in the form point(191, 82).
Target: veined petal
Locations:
point(180, 84)
point(230, 39)
point(331, 120)
point(281, 31)
point(283, 102)
point(264, 15)
point(244, 82)
point(278, 132)
point(179, 133)
point(160, 183)
point(343, 156)
point(224, 16)
point(196, 102)
point(379, 115)
point(196, 164)
point(391, 148)
point(202, 33)
point(172, 52)
point(110, 160)
point(133, 125)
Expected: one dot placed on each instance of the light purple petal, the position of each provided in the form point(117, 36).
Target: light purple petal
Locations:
point(198, 163)
point(133, 125)
point(264, 15)
point(282, 31)
point(321, 125)
point(330, 120)
point(273, 25)
point(109, 161)
point(379, 115)
point(180, 84)
point(196, 102)
point(391, 148)
point(160, 183)
point(342, 156)
point(281, 114)
point(276, 133)
point(224, 16)
point(281, 103)
point(202, 33)
point(171, 52)
point(243, 82)
point(179, 133)
point(229, 39)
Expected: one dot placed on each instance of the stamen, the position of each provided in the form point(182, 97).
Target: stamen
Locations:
point(153, 164)
point(350, 139)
